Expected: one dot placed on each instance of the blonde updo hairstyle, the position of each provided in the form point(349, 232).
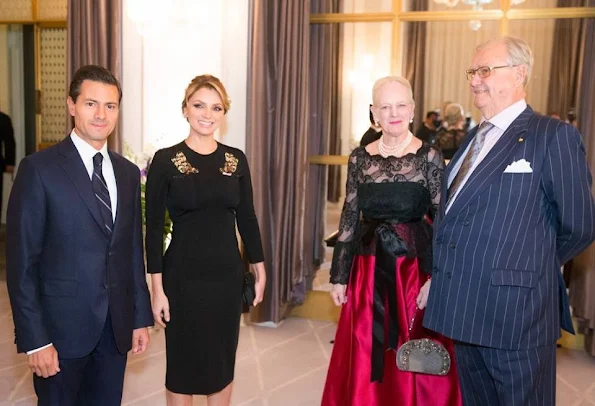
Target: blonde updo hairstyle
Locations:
point(453, 114)
point(209, 82)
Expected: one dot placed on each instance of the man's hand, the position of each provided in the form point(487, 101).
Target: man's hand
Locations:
point(422, 297)
point(44, 363)
point(140, 340)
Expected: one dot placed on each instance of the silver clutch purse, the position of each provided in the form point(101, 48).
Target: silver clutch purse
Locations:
point(423, 356)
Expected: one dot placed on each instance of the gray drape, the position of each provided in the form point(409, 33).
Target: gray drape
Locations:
point(414, 61)
point(276, 142)
point(322, 137)
point(325, 88)
point(95, 37)
point(582, 279)
point(567, 54)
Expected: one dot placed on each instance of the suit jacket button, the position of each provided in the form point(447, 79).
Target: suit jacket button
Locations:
point(453, 245)
point(449, 275)
point(110, 253)
point(438, 241)
point(466, 222)
point(435, 270)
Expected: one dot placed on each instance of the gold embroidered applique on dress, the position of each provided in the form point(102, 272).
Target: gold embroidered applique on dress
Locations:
point(231, 164)
point(181, 162)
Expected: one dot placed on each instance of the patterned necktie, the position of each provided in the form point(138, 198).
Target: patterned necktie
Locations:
point(102, 193)
point(469, 159)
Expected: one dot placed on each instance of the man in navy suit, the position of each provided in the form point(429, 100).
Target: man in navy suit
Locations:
point(516, 205)
point(75, 267)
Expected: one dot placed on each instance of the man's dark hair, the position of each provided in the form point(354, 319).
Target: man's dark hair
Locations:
point(431, 113)
point(94, 73)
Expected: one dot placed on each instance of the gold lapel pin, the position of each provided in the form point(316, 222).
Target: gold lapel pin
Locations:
point(521, 140)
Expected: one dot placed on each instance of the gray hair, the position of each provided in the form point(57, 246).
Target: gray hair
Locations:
point(392, 79)
point(519, 53)
point(453, 114)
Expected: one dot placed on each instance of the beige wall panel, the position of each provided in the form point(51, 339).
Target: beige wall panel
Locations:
point(52, 10)
point(53, 84)
point(4, 65)
point(16, 10)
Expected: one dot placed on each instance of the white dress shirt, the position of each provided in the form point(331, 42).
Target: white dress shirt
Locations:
point(87, 152)
point(501, 122)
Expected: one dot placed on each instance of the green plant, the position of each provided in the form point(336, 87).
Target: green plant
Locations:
point(144, 162)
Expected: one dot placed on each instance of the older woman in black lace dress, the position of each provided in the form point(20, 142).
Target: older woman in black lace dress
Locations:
point(382, 263)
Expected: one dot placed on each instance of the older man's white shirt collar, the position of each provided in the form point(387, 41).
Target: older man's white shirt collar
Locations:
point(86, 151)
point(504, 119)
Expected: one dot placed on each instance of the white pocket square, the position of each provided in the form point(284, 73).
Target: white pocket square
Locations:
point(520, 166)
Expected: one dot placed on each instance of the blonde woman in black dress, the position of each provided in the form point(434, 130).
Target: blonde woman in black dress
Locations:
point(197, 283)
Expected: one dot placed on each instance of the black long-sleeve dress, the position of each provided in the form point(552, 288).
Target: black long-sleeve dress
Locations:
point(205, 196)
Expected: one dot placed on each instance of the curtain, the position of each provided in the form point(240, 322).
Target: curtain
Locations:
point(414, 61)
point(323, 137)
point(450, 46)
point(565, 71)
point(539, 34)
point(334, 75)
point(325, 94)
point(582, 278)
point(277, 133)
point(95, 37)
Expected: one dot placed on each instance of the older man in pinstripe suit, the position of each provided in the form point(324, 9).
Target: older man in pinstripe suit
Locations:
point(516, 204)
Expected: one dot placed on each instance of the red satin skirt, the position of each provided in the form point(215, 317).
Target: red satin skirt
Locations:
point(348, 380)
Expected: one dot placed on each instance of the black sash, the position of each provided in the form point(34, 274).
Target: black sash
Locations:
point(389, 246)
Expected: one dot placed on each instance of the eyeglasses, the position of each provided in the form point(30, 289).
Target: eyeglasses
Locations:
point(484, 71)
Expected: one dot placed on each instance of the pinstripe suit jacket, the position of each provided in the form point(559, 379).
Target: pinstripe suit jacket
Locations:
point(496, 278)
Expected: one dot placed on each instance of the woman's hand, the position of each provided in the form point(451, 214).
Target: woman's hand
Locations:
point(338, 294)
point(422, 297)
point(261, 281)
point(160, 308)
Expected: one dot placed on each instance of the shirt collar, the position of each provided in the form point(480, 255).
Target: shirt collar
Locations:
point(86, 151)
point(504, 119)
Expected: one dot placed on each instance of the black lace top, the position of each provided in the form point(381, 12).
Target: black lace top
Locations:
point(448, 141)
point(400, 188)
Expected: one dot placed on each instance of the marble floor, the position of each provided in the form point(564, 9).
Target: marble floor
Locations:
point(283, 366)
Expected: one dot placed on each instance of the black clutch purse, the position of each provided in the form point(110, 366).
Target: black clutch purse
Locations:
point(249, 291)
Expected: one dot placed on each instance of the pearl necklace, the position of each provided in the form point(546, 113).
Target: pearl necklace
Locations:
point(394, 150)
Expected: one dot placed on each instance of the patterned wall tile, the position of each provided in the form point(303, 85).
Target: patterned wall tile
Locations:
point(15, 10)
point(53, 84)
point(52, 10)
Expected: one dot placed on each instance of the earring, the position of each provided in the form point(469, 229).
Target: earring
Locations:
point(411, 120)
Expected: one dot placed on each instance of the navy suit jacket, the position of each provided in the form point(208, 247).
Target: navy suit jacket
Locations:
point(63, 270)
point(497, 253)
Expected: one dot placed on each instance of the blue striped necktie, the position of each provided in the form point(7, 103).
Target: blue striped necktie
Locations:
point(102, 193)
point(469, 159)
